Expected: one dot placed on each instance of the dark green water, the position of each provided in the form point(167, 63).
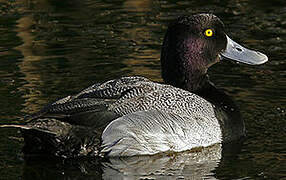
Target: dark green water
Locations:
point(50, 49)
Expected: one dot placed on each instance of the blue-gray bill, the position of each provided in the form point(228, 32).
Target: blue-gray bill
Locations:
point(236, 52)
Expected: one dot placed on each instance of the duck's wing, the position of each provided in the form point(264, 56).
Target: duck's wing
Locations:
point(93, 102)
point(154, 131)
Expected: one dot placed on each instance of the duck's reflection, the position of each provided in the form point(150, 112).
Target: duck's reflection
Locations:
point(189, 164)
point(197, 164)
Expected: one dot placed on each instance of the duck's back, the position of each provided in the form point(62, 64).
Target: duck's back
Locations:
point(137, 116)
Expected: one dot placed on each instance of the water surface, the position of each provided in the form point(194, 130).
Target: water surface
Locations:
point(50, 49)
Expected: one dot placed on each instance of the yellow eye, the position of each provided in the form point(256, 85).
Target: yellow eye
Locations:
point(209, 33)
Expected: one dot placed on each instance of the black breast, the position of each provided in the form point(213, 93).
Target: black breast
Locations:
point(226, 111)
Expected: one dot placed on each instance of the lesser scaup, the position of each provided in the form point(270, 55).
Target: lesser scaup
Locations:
point(135, 116)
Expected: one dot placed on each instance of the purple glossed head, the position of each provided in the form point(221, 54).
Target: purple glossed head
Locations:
point(192, 44)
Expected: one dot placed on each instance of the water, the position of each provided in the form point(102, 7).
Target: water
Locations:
point(51, 49)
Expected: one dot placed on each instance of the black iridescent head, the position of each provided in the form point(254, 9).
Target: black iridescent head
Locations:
point(192, 44)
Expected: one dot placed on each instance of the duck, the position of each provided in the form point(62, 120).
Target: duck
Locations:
point(132, 116)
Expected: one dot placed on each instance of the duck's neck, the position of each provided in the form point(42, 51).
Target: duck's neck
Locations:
point(195, 82)
point(184, 72)
point(192, 81)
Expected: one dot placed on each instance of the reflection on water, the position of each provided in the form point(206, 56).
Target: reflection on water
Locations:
point(50, 49)
point(137, 6)
point(186, 165)
point(32, 79)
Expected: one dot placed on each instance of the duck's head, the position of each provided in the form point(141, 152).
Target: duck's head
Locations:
point(192, 44)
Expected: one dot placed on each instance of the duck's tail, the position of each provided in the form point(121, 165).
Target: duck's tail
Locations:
point(53, 137)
